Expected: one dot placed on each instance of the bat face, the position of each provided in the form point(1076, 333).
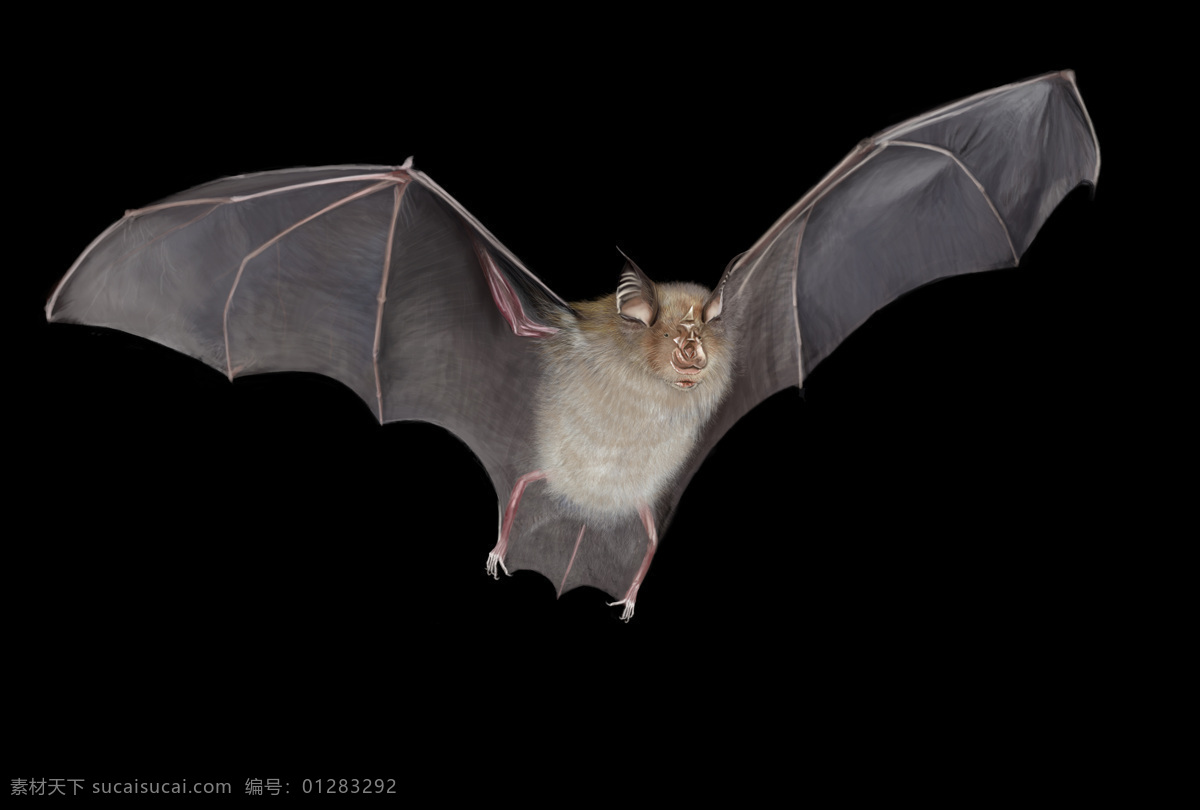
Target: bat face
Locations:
point(666, 326)
point(679, 346)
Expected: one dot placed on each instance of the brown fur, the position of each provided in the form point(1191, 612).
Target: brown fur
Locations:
point(612, 428)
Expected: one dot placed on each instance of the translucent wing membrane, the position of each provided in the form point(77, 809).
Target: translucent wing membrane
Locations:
point(371, 275)
point(961, 189)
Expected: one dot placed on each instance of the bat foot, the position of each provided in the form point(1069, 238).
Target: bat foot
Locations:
point(628, 601)
point(627, 613)
point(494, 561)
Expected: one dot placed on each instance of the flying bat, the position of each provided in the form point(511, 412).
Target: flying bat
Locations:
point(589, 417)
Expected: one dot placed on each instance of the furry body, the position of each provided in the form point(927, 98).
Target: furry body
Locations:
point(613, 426)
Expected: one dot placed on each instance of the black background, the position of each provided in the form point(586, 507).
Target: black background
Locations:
point(914, 533)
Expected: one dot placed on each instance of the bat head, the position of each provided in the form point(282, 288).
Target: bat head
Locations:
point(674, 331)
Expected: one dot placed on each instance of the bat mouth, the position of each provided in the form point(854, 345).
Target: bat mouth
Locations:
point(687, 372)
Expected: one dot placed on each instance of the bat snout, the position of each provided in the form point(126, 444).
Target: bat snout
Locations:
point(688, 372)
point(689, 356)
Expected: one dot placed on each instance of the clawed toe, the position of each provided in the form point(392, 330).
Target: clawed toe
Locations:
point(496, 561)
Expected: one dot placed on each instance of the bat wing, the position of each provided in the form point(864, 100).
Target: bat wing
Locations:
point(376, 277)
point(961, 189)
point(371, 275)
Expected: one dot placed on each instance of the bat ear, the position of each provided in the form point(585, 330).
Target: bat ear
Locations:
point(636, 296)
point(712, 307)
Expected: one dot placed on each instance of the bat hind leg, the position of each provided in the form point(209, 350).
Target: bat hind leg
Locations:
point(652, 536)
point(496, 557)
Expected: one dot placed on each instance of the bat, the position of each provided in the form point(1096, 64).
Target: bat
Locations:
point(590, 417)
